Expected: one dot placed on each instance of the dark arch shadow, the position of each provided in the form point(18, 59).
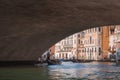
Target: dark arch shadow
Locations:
point(29, 27)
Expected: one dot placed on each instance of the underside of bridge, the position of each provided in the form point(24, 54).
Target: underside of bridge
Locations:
point(29, 27)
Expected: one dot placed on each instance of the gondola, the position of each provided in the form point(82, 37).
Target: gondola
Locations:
point(53, 62)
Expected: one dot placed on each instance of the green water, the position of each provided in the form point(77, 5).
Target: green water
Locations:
point(26, 73)
point(65, 71)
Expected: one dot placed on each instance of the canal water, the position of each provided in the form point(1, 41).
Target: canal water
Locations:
point(65, 71)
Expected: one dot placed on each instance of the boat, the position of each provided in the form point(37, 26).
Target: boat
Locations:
point(118, 57)
point(53, 62)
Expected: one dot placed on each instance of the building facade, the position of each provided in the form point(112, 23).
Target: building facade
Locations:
point(81, 45)
point(105, 41)
point(91, 44)
point(63, 49)
point(81, 48)
point(117, 37)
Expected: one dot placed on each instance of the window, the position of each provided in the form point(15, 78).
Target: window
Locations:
point(99, 51)
point(92, 50)
point(90, 40)
point(85, 49)
point(79, 41)
point(82, 50)
point(95, 29)
point(88, 50)
point(95, 49)
point(59, 55)
point(64, 42)
point(99, 29)
point(66, 55)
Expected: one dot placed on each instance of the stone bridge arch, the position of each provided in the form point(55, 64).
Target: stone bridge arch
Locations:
point(29, 27)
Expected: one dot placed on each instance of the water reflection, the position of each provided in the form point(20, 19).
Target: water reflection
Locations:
point(84, 71)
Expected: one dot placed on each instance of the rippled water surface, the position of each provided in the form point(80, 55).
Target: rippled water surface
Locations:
point(85, 71)
point(65, 71)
